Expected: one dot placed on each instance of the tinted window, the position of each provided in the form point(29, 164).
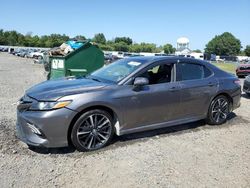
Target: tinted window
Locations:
point(190, 71)
point(158, 74)
point(207, 72)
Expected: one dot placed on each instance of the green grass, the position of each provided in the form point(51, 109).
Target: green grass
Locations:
point(228, 67)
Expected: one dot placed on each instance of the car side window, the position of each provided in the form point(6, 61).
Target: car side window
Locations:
point(207, 72)
point(158, 74)
point(191, 71)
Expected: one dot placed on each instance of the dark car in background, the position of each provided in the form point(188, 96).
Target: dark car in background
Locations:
point(24, 53)
point(130, 95)
point(3, 49)
point(246, 86)
point(243, 70)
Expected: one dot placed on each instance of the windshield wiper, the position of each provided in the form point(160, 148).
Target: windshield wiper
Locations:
point(93, 78)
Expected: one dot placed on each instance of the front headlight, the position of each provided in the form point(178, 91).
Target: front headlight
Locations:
point(49, 105)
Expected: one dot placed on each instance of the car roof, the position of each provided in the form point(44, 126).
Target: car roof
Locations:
point(152, 59)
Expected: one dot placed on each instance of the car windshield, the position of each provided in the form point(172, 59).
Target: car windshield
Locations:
point(116, 71)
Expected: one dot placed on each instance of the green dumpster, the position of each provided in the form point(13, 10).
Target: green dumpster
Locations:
point(79, 62)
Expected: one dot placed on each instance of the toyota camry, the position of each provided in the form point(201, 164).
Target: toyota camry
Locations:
point(130, 95)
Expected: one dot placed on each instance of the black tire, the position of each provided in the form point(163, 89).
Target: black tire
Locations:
point(90, 132)
point(218, 110)
point(32, 148)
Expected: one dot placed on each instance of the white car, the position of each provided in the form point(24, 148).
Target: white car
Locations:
point(36, 54)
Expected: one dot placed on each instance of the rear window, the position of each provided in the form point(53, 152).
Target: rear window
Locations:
point(191, 71)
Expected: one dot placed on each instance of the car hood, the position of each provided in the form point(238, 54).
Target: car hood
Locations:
point(54, 89)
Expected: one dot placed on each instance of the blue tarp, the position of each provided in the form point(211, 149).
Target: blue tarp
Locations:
point(74, 44)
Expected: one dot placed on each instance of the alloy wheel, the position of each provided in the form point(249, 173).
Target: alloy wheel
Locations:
point(94, 131)
point(220, 110)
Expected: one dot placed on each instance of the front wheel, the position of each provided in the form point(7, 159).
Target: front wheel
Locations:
point(93, 130)
point(218, 110)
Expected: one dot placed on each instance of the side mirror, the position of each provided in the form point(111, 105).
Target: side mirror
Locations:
point(140, 82)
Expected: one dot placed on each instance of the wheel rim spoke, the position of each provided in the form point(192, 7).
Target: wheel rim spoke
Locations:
point(224, 115)
point(97, 138)
point(100, 120)
point(223, 104)
point(94, 141)
point(102, 136)
point(88, 124)
point(90, 142)
point(105, 122)
point(219, 102)
point(224, 108)
point(87, 139)
point(104, 127)
point(91, 120)
point(83, 133)
point(214, 111)
point(217, 116)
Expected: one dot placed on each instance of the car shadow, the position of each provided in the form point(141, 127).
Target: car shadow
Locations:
point(64, 150)
point(124, 140)
point(244, 95)
point(173, 130)
point(157, 132)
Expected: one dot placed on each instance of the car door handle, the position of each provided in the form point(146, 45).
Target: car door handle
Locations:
point(211, 84)
point(174, 88)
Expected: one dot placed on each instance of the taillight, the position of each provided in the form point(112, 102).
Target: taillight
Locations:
point(237, 82)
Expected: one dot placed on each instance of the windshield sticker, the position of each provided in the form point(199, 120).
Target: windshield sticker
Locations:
point(134, 63)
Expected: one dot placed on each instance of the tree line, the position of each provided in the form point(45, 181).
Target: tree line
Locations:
point(125, 44)
point(224, 44)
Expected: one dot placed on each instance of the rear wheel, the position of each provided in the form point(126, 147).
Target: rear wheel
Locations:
point(93, 130)
point(218, 110)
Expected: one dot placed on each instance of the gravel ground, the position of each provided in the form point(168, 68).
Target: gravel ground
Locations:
point(190, 155)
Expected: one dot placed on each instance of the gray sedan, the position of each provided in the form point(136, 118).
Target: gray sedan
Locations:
point(127, 96)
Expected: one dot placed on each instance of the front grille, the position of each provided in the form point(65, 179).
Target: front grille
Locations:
point(244, 68)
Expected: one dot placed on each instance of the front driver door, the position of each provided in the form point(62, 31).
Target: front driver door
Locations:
point(155, 103)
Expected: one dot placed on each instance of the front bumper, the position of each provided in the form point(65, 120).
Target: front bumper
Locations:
point(53, 126)
point(246, 86)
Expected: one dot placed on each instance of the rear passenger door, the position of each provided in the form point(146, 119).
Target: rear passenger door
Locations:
point(198, 85)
